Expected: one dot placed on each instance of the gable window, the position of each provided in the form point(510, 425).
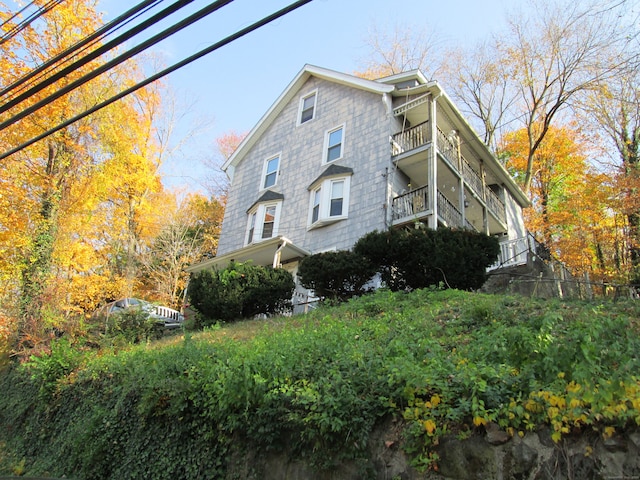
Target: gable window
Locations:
point(334, 144)
point(329, 201)
point(270, 174)
point(307, 108)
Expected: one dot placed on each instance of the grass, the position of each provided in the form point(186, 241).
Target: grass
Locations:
point(440, 362)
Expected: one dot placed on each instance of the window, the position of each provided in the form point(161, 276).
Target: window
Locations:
point(263, 221)
point(269, 221)
point(334, 144)
point(329, 201)
point(270, 174)
point(307, 108)
point(252, 226)
point(315, 206)
point(335, 205)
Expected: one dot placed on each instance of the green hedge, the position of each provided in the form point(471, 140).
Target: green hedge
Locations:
point(241, 290)
point(419, 258)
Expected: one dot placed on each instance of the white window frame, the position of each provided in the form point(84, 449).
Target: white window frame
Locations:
point(327, 146)
point(265, 173)
point(324, 189)
point(301, 108)
point(256, 219)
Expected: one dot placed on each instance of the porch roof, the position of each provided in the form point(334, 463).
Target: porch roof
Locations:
point(261, 253)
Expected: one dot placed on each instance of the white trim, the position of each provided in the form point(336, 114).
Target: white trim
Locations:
point(324, 213)
point(260, 211)
point(290, 92)
point(263, 177)
point(325, 149)
point(313, 93)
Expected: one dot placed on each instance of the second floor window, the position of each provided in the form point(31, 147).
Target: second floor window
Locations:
point(334, 144)
point(271, 168)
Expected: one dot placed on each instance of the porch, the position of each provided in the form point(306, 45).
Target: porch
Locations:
point(410, 150)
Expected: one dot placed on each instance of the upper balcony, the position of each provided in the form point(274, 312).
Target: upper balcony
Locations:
point(410, 151)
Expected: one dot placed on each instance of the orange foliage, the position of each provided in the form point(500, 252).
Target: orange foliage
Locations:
point(571, 211)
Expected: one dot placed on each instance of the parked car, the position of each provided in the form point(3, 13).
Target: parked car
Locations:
point(167, 317)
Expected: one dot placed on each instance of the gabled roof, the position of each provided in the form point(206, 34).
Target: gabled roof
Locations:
point(290, 92)
point(332, 171)
point(268, 196)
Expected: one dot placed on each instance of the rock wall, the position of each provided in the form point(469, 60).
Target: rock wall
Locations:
point(491, 455)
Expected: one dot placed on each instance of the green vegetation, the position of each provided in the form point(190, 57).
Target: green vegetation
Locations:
point(453, 258)
point(336, 276)
point(242, 290)
point(445, 362)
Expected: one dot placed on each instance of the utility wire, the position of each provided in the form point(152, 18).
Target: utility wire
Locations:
point(85, 42)
point(212, 7)
point(26, 22)
point(266, 20)
point(107, 66)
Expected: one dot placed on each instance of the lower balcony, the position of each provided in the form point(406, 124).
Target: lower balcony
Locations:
point(413, 206)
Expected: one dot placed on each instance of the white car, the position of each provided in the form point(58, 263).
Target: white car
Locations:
point(167, 317)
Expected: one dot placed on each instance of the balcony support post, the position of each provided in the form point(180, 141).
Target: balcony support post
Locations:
point(432, 165)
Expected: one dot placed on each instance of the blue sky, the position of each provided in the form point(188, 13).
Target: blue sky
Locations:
point(231, 88)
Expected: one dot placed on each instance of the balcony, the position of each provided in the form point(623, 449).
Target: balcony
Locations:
point(414, 206)
point(414, 137)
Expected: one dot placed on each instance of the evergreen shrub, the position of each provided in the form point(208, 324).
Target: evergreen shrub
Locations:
point(419, 258)
point(242, 290)
point(336, 275)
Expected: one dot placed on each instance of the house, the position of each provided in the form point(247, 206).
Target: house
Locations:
point(337, 156)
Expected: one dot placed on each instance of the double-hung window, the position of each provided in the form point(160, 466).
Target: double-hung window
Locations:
point(262, 222)
point(307, 108)
point(270, 172)
point(329, 200)
point(334, 144)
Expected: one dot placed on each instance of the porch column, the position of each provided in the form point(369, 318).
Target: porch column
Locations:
point(432, 166)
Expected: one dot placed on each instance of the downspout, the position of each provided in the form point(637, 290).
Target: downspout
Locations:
point(278, 255)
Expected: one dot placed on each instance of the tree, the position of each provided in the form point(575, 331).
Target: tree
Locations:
point(72, 191)
point(570, 212)
point(189, 233)
point(483, 88)
point(556, 56)
point(401, 50)
point(614, 108)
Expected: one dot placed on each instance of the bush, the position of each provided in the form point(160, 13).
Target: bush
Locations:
point(336, 275)
point(241, 290)
point(133, 325)
point(412, 259)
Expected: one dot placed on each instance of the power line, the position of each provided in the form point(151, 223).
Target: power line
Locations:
point(26, 22)
point(212, 7)
point(85, 42)
point(266, 20)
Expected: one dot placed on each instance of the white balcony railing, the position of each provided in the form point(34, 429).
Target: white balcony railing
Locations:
point(410, 204)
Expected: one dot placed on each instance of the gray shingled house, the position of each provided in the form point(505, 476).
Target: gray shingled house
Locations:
point(337, 156)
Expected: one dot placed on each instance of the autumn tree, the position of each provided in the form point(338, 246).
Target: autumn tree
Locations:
point(613, 109)
point(570, 200)
point(73, 192)
point(189, 234)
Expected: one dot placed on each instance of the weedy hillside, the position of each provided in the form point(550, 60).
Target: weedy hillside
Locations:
point(440, 362)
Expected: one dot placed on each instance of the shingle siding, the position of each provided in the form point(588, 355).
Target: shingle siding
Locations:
point(366, 152)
